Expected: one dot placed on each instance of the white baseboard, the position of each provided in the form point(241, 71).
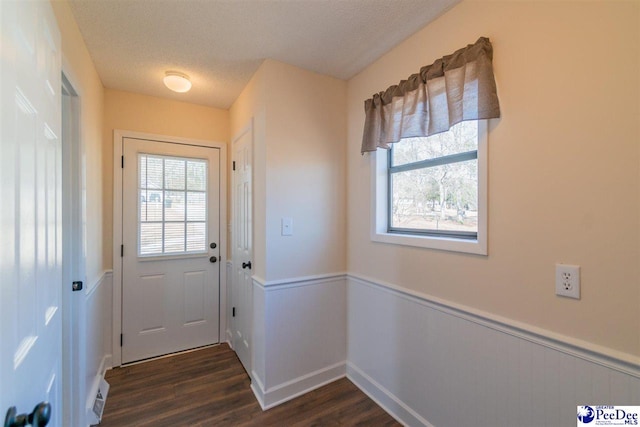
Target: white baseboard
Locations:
point(383, 397)
point(281, 393)
point(258, 389)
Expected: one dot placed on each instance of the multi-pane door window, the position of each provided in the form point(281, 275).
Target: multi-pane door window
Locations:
point(172, 205)
point(433, 184)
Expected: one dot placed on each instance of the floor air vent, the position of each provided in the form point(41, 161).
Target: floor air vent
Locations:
point(98, 403)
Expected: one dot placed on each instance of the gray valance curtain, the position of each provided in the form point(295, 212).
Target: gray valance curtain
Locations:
point(455, 88)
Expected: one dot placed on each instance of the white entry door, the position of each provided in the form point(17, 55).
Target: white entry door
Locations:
point(171, 247)
point(30, 210)
point(242, 295)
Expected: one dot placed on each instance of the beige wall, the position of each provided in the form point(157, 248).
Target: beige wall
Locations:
point(564, 168)
point(306, 128)
point(299, 169)
point(141, 113)
point(79, 68)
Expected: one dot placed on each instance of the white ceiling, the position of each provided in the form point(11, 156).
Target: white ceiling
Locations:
point(221, 43)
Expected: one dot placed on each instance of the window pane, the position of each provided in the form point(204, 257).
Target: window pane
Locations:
point(142, 197)
point(154, 172)
point(172, 220)
point(154, 205)
point(150, 238)
point(438, 198)
point(174, 237)
point(196, 175)
point(142, 162)
point(460, 138)
point(196, 237)
point(174, 174)
point(196, 206)
point(174, 206)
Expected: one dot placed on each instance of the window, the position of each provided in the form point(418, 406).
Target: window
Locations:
point(433, 183)
point(431, 191)
point(172, 205)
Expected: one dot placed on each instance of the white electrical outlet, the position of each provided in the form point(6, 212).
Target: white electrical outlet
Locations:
point(568, 280)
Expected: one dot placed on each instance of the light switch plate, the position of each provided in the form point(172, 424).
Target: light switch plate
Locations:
point(287, 226)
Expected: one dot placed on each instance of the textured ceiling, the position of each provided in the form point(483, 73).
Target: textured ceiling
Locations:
point(221, 43)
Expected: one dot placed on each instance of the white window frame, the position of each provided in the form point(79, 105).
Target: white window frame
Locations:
point(380, 204)
point(176, 254)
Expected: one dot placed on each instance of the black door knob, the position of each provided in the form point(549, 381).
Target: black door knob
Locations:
point(38, 418)
point(12, 419)
point(213, 259)
point(41, 415)
point(213, 245)
point(246, 264)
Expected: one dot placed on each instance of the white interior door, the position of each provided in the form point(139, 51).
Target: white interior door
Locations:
point(30, 208)
point(171, 247)
point(242, 295)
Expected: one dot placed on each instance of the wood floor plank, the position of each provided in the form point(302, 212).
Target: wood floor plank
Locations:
point(209, 387)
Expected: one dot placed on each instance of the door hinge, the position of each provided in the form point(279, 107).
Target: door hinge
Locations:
point(234, 165)
point(122, 162)
point(121, 251)
point(121, 339)
point(233, 312)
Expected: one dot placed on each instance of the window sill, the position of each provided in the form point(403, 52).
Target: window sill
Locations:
point(478, 247)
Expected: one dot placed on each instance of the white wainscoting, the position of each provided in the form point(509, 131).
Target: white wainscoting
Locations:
point(300, 335)
point(431, 364)
point(98, 335)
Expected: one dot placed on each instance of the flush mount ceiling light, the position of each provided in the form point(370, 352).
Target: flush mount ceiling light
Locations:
point(177, 82)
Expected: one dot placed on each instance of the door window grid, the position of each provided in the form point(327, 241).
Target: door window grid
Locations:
point(172, 205)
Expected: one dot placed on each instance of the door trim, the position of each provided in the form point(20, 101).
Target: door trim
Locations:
point(74, 364)
point(118, 136)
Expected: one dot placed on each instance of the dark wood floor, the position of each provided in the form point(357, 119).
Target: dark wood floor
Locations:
point(209, 387)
